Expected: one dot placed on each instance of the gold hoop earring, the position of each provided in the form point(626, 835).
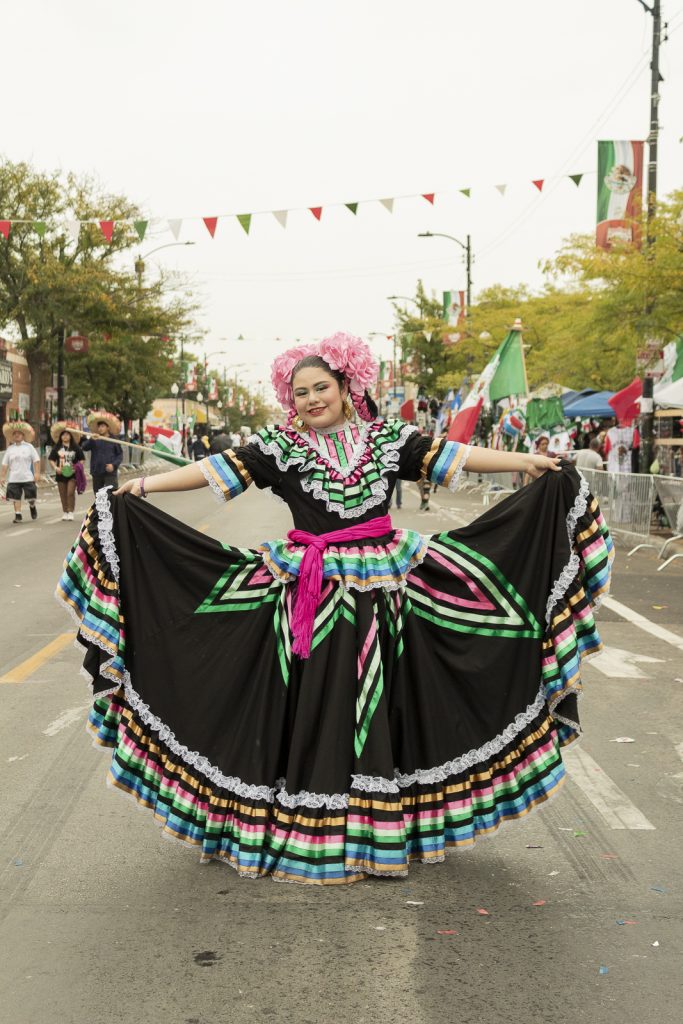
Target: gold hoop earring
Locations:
point(349, 408)
point(299, 423)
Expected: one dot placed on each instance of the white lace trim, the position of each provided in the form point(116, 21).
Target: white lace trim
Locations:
point(455, 479)
point(572, 567)
point(105, 530)
point(331, 801)
point(388, 462)
point(216, 488)
point(425, 776)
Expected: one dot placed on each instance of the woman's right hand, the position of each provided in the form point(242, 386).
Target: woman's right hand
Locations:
point(130, 486)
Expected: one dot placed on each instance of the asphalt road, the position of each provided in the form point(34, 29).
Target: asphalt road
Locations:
point(101, 921)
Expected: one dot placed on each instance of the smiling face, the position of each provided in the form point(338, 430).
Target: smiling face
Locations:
point(65, 438)
point(318, 398)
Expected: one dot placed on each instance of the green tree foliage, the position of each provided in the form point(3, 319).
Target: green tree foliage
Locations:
point(583, 329)
point(48, 280)
point(122, 372)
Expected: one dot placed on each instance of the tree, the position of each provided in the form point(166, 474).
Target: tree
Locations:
point(49, 281)
point(631, 296)
point(124, 373)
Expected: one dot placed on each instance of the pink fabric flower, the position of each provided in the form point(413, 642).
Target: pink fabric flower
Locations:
point(281, 372)
point(352, 357)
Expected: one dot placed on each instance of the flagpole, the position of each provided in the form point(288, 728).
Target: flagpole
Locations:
point(140, 447)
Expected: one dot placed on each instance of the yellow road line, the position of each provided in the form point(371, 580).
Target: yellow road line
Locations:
point(21, 672)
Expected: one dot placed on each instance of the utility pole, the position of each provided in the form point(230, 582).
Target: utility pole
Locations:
point(646, 401)
point(655, 78)
point(61, 338)
point(468, 257)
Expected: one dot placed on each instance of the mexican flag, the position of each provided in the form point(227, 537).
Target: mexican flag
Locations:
point(168, 444)
point(504, 375)
point(620, 189)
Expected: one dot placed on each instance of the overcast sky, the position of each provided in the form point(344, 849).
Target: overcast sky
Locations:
point(217, 107)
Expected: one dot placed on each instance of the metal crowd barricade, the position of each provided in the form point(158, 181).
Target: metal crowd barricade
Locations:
point(626, 500)
point(670, 493)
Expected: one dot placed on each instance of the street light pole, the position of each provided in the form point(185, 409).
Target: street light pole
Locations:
point(61, 339)
point(467, 246)
point(140, 261)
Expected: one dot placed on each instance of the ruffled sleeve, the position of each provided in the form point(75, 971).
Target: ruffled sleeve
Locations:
point(226, 474)
point(229, 473)
point(412, 456)
point(444, 462)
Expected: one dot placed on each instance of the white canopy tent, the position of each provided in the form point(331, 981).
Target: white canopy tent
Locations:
point(670, 395)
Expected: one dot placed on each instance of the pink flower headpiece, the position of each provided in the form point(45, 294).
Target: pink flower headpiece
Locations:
point(343, 352)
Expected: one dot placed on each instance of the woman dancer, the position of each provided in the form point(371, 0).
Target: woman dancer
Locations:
point(353, 697)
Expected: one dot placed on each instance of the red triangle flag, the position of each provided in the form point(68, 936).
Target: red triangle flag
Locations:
point(463, 425)
point(539, 184)
point(107, 227)
point(211, 223)
point(625, 402)
point(429, 196)
point(317, 211)
point(5, 225)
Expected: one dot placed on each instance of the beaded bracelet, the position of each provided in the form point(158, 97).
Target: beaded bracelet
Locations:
point(143, 492)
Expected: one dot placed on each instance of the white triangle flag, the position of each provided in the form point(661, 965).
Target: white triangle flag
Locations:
point(388, 204)
point(428, 335)
point(73, 229)
point(281, 217)
point(174, 227)
point(501, 189)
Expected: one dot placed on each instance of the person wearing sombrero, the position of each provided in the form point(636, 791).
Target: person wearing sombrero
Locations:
point(20, 467)
point(64, 458)
point(105, 454)
point(353, 697)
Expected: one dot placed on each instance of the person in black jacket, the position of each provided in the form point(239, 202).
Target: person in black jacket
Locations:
point(106, 455)
point(220, 442)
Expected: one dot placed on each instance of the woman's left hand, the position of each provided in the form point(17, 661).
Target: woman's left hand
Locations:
point(537, 465)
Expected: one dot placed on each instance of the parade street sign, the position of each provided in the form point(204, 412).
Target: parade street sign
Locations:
point(76, 343)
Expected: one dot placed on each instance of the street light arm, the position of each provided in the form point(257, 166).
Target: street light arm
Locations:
point(168, 245)
point(440, 234)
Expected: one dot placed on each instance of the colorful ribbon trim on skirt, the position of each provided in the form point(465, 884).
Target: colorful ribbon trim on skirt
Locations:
point(311, 573)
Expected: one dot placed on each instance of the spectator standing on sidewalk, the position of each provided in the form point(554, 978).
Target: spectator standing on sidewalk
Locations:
point(63, 458)
point(620, 443)
point(589, 458)
point(106, 455)
point(20, 467)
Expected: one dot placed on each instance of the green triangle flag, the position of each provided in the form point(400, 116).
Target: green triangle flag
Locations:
point(353, 207)
point(245, 221)
point(141, 228)
point(39, 227)
point(576, 178)
point(509, 377)
point(466, 192)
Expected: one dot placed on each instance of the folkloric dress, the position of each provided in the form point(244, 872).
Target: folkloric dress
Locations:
point(442, 678)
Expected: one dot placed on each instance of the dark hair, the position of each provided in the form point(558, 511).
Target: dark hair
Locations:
point(318, 363)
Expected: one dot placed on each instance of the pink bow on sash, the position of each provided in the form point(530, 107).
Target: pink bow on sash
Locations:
point(311, 573)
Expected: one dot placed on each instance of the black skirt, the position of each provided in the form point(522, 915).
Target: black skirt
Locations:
point(427, 714)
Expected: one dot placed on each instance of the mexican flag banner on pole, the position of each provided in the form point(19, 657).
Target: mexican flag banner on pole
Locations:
point(167, 444)
point(620, 190)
